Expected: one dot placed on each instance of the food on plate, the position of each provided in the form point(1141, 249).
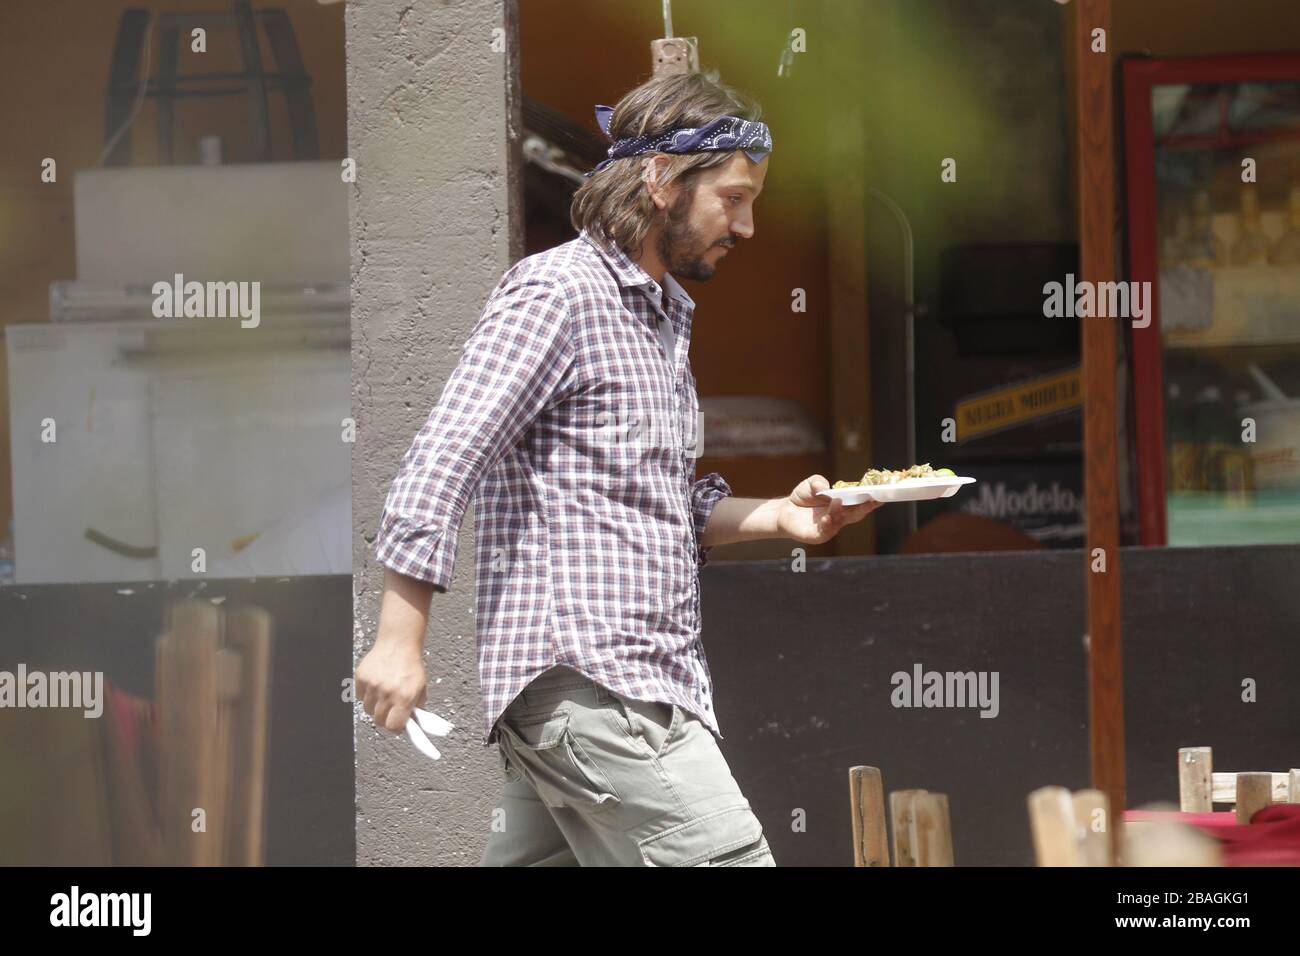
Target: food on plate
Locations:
point(884, 476)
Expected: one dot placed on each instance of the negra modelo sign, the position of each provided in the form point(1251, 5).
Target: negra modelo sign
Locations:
point(1044, 499)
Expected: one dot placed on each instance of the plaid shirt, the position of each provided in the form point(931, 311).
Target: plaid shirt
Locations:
point(576, 435)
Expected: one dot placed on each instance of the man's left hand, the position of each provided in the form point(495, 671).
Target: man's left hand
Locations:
point(810, 519)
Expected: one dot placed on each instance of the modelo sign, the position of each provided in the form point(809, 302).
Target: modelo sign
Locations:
point(1042, 499)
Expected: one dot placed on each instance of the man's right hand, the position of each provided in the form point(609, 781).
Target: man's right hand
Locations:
point(391, 681)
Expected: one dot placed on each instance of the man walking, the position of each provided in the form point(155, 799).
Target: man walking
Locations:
point(572, 421)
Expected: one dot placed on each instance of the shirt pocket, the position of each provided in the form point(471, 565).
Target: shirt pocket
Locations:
point(690, 421)
point(639, 426)
point(619, 436)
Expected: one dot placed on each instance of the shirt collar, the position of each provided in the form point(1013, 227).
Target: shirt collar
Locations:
point(631, 274)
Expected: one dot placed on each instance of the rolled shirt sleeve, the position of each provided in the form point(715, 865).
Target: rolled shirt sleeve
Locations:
point(511, 367)
point(705, 495)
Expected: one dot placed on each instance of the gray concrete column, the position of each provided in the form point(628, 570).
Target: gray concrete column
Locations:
point(436, 218)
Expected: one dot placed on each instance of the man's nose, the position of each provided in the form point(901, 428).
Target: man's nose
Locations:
point(744, 228)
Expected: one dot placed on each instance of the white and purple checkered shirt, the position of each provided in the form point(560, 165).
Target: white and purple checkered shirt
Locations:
point(572, 419)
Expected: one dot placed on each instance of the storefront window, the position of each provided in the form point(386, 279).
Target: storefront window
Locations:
point(1226, 210)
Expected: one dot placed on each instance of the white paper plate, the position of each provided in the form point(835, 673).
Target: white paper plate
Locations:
point(909, 489)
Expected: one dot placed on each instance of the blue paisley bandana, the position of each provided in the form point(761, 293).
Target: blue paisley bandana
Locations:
point(724, 133)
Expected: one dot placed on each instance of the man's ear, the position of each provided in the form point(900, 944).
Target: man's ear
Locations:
point(650, 170)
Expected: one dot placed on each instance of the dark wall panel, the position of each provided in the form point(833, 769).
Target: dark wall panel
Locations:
point(802, 664)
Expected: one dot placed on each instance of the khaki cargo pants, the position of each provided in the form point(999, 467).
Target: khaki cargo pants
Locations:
point(596, 779)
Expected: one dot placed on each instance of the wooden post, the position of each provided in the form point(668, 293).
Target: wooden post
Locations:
point(931, 836)
point(1051, 820)
point(1094, 842)
point(248, 635)
point(867, 802)
point(1097, 211)
point(901, 809)
point(1195, 767)
point(192, 735)
point(945, 855)
point(1254, 793)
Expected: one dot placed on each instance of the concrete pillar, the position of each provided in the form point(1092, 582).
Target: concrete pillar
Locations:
point(436, 218)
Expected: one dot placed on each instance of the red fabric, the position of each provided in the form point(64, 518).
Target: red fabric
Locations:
point(122, 713)
point(1272, 838)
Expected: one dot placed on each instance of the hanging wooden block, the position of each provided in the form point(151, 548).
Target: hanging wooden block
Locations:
point(675, 55)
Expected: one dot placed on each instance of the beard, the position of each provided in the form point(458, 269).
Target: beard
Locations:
point(681, 247)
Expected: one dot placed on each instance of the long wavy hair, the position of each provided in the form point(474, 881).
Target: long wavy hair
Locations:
point(613, 205)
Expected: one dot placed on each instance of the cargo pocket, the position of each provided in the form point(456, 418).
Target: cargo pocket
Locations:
point(555, 763)
point(701, 841)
